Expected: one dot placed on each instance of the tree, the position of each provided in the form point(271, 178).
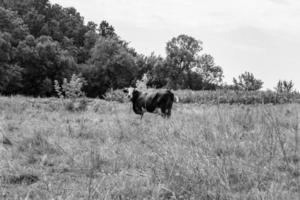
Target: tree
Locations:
point(31, 11)
point(90, 39)
point(211, 74)
point(182, 52)
point(106, 30)
point(12, 24)
point(248, 82)
point(284, 86)
point(12, 31)
point(91, 26)
point(111, 66)
point(22, 6)
point(156, 69)
point(41, 42)
point(10, 74)
point(43, 61)
point(187, 68)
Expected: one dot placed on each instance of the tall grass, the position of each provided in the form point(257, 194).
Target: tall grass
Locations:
point(221, 97)
point(107, 152)
point(236, 97)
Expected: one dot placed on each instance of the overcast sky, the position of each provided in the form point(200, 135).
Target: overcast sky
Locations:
point(260, 36)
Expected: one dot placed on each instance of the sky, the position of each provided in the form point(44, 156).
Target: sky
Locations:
point(259, 36)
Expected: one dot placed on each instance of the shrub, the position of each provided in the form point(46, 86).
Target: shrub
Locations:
point(72, 91)
point(142, 84)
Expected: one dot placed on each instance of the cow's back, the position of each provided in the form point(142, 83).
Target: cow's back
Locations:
point(166, 98)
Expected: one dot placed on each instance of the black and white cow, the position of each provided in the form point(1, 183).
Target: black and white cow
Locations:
point(150, 102)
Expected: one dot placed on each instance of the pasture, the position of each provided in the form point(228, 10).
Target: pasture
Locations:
point(106, 152)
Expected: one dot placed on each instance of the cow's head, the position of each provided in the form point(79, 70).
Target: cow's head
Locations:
point(129, 92)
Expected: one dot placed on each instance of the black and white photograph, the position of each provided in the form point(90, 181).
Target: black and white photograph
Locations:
point(149, 100)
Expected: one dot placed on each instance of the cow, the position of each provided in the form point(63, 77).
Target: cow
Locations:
point(150, 102)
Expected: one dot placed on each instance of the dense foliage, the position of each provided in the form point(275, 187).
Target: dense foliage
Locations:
point(41, 43)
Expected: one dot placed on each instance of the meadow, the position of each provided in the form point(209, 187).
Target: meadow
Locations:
point(106, 152)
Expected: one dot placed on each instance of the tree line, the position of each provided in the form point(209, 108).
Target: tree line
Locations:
point(41, 43)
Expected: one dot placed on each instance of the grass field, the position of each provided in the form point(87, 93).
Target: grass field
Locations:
point(106, 152)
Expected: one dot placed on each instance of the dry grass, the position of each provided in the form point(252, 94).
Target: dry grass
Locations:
point(107, 152)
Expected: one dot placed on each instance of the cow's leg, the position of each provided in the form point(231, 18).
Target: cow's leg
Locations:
point(168, 113)
point(163, 112)
point(169, 108)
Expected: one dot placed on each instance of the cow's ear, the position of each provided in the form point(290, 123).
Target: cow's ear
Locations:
point(125, 90)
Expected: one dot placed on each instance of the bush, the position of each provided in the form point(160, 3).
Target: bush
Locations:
point(142, 84)
point(72, 91)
